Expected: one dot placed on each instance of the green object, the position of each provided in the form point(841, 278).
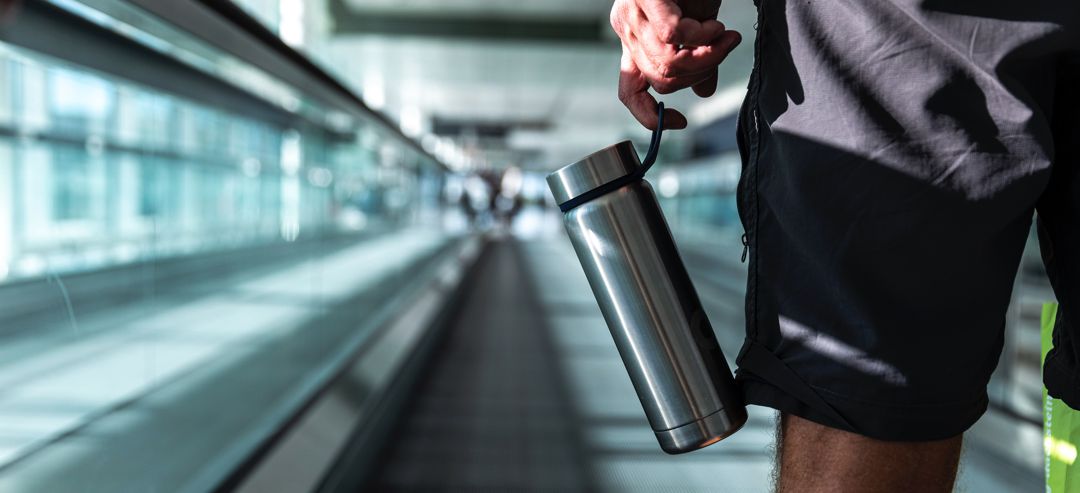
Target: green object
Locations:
point(1061, 426)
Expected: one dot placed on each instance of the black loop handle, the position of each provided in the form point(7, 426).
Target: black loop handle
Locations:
point(654, 145)
point(650, 159)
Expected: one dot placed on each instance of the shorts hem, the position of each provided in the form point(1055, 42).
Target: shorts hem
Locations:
point(899, 423)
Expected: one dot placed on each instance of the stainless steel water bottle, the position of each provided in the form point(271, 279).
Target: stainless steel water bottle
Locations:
point(628, 254)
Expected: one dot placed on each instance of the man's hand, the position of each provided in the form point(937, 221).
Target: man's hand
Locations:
point(669, 45)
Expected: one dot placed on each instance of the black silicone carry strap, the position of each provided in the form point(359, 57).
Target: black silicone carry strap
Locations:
point(650, 159)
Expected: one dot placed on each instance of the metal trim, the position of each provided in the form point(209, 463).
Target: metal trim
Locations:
point(47, 29)
point(228, 27)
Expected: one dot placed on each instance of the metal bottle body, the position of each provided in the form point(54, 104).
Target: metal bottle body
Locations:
point(656, 318)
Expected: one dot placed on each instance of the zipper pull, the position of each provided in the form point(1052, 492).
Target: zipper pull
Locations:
point(745, 247)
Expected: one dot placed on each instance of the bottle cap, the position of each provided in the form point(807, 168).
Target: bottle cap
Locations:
point(594, 171)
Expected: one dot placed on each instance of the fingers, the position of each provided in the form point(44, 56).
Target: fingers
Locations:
point(669, 69)
point(664, 51)
point(707, 87)
point(667, 20)
point(698, 59)
point(666, 16)
point(634, 93)
point(673, 119)
point(672, 27)
point(694, 33)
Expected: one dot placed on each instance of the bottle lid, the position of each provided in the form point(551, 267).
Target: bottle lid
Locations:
point(594, 171)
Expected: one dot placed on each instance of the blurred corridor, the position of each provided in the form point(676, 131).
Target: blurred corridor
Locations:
point(288, 245)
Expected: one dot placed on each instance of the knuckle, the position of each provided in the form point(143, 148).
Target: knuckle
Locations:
point(666, 69)
point(666, 33)
point(662, 88)
point(666, 86)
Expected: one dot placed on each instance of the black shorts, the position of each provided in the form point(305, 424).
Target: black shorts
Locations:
point(894, 155)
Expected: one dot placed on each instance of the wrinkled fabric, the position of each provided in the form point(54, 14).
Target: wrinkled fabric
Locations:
point(894, 155)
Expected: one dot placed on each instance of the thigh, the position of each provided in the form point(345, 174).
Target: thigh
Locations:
point(894, 154)
point(815, 458)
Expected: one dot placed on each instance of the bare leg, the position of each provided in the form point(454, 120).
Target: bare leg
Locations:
point(815, 458)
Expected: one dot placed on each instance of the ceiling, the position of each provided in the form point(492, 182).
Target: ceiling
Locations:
point(535, 69)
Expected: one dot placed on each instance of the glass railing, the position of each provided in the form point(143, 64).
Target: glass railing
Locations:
point(178, 276)
point(99, 171)
point(102, 172)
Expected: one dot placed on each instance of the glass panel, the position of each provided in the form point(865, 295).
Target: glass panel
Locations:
point(175, 278)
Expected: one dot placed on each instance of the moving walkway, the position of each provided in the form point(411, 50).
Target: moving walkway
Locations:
point(221, 271)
